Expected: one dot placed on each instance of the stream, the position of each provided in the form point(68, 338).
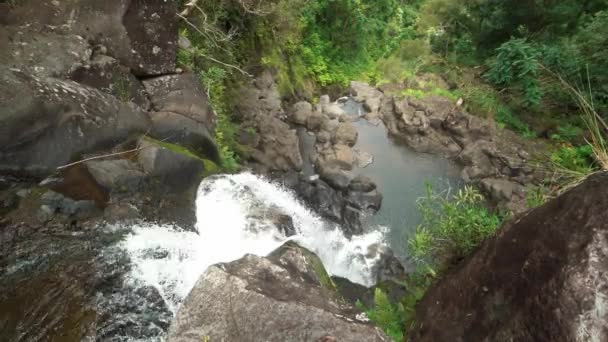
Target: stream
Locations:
point(126, 282)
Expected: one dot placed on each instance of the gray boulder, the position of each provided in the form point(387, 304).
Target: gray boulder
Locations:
point(287, 296)
point(362, 183)
point(173, 168)
point(182, 130)
point(116, 175)
point(301, 111)
point(48, 122)
point(181, 94)
point(142, 35)
point(107, 74)
point(345, 134)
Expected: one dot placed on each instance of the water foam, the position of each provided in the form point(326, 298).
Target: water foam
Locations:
point(172, 260)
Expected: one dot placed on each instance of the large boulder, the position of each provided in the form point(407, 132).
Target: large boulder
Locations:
point(48, 122)
point(174, 167)
point(142, 35)
point(107, 74)
point(116, 175)
point(541, 278)
point(287, 296)
point(301, 111)
point(345, 134)
point(182, 130)
point(181, 94)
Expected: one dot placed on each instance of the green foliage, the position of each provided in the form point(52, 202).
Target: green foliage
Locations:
point(452, 226)
point(567, 133)
point(506, 118)
point(574, 160)
point(517, 64)
point(390, 318)
point(536, 196)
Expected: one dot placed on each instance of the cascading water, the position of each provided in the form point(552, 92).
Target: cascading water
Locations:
point(233, 220)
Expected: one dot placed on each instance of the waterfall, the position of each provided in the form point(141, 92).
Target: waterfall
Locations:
point(233, 220)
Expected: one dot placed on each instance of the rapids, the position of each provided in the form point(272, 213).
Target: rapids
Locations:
point(229, 227)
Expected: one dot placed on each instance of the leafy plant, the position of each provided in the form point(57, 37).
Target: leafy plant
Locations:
point(573, 160)
point(390, 318)
point(452, 226)
point(517, 64)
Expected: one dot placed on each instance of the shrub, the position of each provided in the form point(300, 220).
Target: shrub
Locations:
point(517, 64)
point(452, 226)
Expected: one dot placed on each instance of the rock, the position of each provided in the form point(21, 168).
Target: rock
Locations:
point(345, 134)
point(352, 221)
point(368, 95)
point(338, 156)
point(301, 111)
point(141, 35)
point(362, 183)
point(478, 163)
point(316, 122)
point(284, 224)
point(182, 130)
point(365, 200)
point(388, 268)
point(278, 144)
point(364, 159)
point(322, 198)
point(500, 189)
point(258, 106)
point(119, 175)
point(338, 179)
point(184, 43)
point(323, 137)
point(106, 74)
point(152, 29)
point(48, 122)
point(174, 169)
point(543, 277)
point(324, 100)
point(289, 291)
point(333, 111)
point(181, 94)
point(53, 203)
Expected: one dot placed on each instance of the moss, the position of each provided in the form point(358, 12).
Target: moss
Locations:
point(324, 278)
point(210, 167)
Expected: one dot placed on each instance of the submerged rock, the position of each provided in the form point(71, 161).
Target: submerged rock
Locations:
point(286, 296)
point(541, 278)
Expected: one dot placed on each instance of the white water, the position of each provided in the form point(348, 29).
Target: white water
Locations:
point(173, 260)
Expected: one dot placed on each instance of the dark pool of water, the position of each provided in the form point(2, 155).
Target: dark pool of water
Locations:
point(401, 175)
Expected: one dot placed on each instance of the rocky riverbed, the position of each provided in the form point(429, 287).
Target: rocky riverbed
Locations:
point(116, 225)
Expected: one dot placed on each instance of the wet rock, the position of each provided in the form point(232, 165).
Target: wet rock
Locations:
point(371, 200)
point(345, 134)
point(322, 197)
point(184, 131)
point(289, 291)
point(181, 94)
point(49, 121)
point(174, 169)
point(542, 278)
point(364, 159)
point(388, 268)
point(338, 179)
point(352, 221)
point(285, 224)
point(55, 203)
point(362, 183)
point(119, 175)
point(333, 111)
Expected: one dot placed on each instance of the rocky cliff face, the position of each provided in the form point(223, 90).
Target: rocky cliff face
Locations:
point(80, 79)
point(286, 296)
point(544, 277)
